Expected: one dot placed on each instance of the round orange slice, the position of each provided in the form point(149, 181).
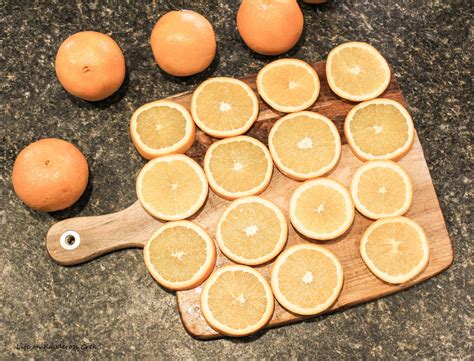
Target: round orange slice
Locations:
point(224, 107)
point(304, 145)
point(395, 249)
point(238, 167)
point(180, 255)
point(321, 209)
point(160, 128)
point(380, 189)
point(379, 129)
point(357, 71)
point(288, 85)
point(252, 231)
point(172, 187)
point(237, 301)
point(306, 279)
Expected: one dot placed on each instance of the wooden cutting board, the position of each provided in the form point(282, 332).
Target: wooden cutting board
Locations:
point(133, 226)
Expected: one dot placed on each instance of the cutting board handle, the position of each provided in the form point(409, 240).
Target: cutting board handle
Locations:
point(77, 240)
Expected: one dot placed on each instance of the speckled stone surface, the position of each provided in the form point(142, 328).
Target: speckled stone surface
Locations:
point(110, 307)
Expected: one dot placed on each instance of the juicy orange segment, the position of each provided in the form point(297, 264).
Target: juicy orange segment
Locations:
point(306, 279)
point(304, 145)
point(180, 255)
point(237, 301)
point(172, 187)
point(224, 107)
point(395, 249)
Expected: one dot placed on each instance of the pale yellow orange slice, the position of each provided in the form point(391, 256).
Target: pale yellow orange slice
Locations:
point(304, 145)
point(252, 231)
point(395, 249)
point(321, 209)
point(236, 300)
point(357, 71)
point(379, 129)
point(172, 187)
point(238, 167)
point(288, 85)
point(306, 279)
point(224, 107)
point(380, 189)
point(160, 128)
point(180, 255)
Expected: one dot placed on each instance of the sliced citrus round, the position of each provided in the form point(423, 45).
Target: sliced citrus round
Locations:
point(357, 71)
point(288, 85)
point(224, 107)
point(395, 249)
point(252, 231)
point(306, 279)
point(172, 187)
point(238, 167)
point(160, 128)
point(180, 255)
point(321, 209)
point(304, 145)
point(379, 129)
point(236, 300)
point(380, 189)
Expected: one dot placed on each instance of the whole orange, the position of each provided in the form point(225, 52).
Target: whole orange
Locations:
point(50, 175)
point(270, 27)
point(183, 43)
point(90, 65)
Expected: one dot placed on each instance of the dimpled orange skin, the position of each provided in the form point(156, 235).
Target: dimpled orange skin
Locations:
point(90, 65)
point(183, 43)
point(50, 174)
point(270, 27)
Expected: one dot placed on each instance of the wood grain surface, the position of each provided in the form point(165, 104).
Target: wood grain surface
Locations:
point(133, 226)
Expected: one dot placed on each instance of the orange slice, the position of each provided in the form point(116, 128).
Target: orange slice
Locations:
point(180, 255)
point(224, 107)
point(306, 279)
point(172, 187)
point(381, 188)
point(321, 209)
point(237, 301)
point(252, 231)
point(238, 167)
point(379, 129)
point(357, 71)
point(288, 85)
point(160, 128)
point(395, 249)
point(304, 145)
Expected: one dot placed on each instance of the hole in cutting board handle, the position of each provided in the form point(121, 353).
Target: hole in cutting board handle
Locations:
point(70, 240)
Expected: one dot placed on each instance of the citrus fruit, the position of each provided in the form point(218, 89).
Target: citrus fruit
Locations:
point(180, 255)
point(288, 85)
point(304, 145)
point(183, 43)
point(160, 128)
point(321, 209)
point(252, 231)
point(90, 65)
point(306, 279)
point(238, 167)
point(172, 187)
point(380, 189)
point(379, 129)
point(236, 300)
point(270, 27)
point(224, 107)
point(50, 174)
point(357, 71)
point(395, 249)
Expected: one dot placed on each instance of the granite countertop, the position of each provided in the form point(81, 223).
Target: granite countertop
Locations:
point(110, 307)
